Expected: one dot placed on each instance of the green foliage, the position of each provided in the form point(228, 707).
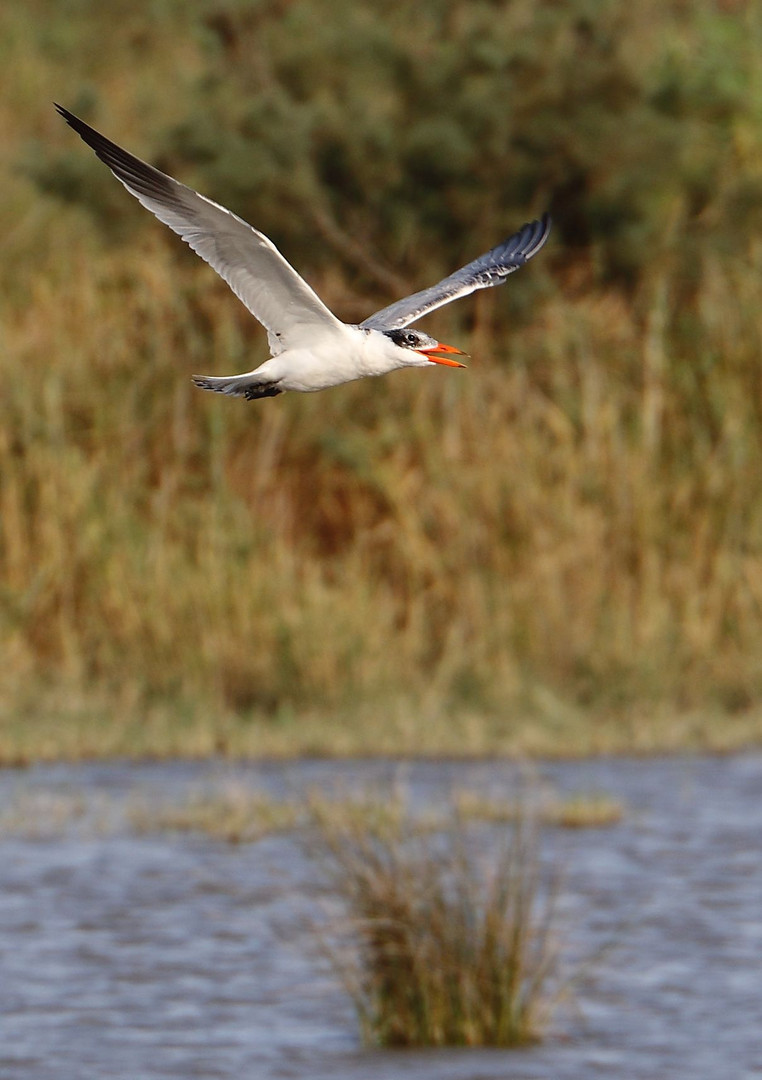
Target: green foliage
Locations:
point(427, 133)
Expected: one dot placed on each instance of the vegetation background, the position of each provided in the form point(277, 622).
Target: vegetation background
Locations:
point(558, 551)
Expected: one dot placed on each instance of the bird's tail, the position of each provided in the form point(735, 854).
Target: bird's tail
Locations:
point(249, 386)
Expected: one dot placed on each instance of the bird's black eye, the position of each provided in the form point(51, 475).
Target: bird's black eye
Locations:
point(405, 338)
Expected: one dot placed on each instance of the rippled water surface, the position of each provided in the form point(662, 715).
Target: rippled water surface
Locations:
point(176, 956)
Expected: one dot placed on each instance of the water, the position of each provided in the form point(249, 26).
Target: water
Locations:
point(174, 956)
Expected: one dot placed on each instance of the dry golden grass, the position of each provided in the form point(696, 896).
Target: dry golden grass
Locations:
point(412, 551)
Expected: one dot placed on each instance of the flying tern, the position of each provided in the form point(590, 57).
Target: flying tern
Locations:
point(311, 349)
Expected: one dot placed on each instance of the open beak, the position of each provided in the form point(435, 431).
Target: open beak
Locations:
point(440, 348)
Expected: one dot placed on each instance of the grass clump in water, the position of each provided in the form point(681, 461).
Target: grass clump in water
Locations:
point(236, 816)
point(580, 810)
point(443, 954)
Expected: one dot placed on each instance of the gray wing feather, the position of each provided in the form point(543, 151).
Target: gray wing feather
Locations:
point(244, 257)
point(489, 269)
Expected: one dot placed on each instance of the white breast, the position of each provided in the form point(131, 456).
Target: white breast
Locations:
point(333, 358)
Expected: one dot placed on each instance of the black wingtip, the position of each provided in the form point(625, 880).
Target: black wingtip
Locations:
point(137, 175)
point(68, 117)
point(85, 132)
point(539, 231)
point(82, 129)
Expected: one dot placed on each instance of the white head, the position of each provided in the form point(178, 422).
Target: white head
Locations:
point(413, 348)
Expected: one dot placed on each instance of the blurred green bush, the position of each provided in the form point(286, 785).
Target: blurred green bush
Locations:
point(421, 133)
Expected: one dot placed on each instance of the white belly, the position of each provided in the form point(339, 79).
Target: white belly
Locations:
point(353, 354)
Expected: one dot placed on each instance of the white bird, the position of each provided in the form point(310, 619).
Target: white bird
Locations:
point(311, 349)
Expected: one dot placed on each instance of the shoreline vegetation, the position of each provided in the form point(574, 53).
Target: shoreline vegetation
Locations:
point(57, 733)
point(555, 553)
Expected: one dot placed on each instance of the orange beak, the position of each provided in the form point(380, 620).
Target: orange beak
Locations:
point(440, 348)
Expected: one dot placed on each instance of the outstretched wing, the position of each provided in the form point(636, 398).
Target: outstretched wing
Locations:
point(490, 269)
point(247, 260)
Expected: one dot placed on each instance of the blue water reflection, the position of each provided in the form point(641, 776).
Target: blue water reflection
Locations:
point(173, 956)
